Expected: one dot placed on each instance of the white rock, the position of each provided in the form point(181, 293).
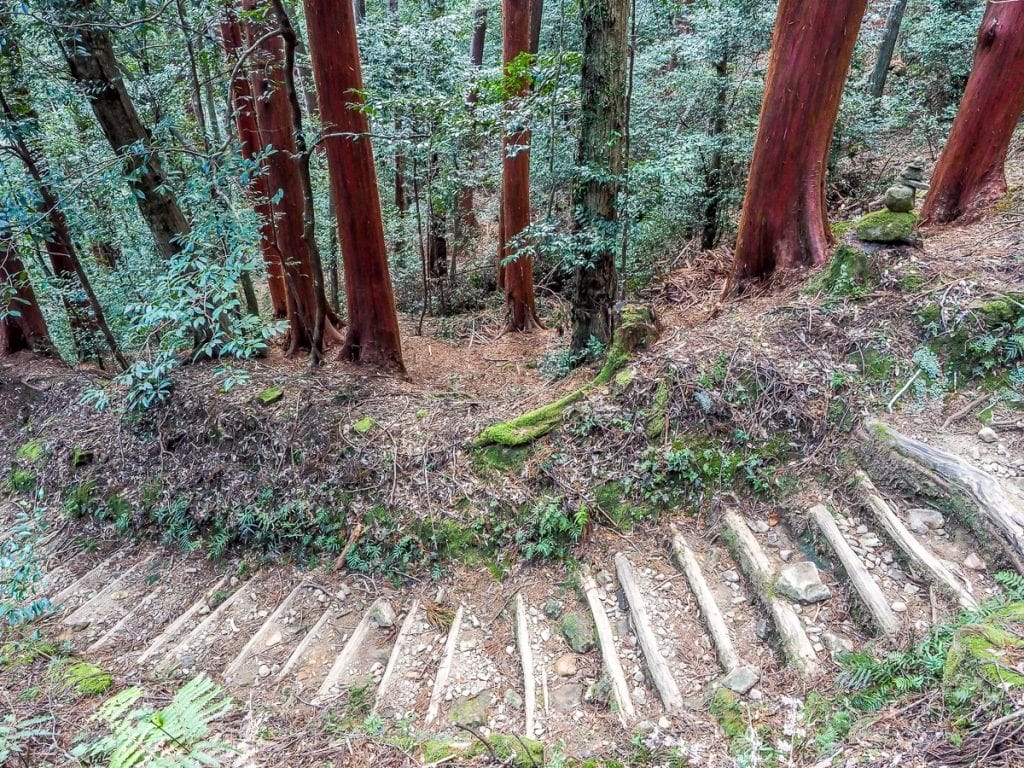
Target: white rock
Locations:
point(899, 606)
point(987, 435)
point(974, 562)
point(802, 582)
point(921, 520)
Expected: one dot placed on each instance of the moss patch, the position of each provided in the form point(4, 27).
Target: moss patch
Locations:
point(518, 751)
point(81, 677)
point(886, 227)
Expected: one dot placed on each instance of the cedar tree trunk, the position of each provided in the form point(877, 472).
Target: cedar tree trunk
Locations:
point(372, 334)
point(516, 276)
point(784, 224)
point(602, 128)
point(970, 175)
point(244, 111)
point(22, 326)
point(885, 51)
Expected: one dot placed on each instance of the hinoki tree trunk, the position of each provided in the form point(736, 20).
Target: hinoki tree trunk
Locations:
point(602, 128)
point(970, 175)
point(373, 334)
point(784, 224)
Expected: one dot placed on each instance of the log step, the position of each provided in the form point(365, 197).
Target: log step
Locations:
point(176, 627)
point(84, 587)
point(107, 600)
point(606, 642)
point(795, 644)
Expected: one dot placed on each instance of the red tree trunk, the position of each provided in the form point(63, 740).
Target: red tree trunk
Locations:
point(251, 144)
point(274, 118)
point(372, 334)
point(970, 175)
point(517, 276)
point(22, 326)
point(784, 223)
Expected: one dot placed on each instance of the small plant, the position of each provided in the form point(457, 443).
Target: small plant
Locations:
point(20, 571)
point(17, 733)
point(557, 365)
point(547, 530)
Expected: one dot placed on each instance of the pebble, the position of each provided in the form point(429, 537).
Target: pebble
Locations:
point(987, 435)
point(566, 665)
point(899, 606)
point(785, 554)
point(974, 562)
point(264, 671)
point(731, 576)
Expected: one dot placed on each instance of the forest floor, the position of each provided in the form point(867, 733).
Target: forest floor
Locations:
point(754, 403)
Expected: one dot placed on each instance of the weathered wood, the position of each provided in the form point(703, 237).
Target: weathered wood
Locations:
point(175, 626)
point(795, 643)
point(300, 650)
point(612, 665)
point(1003, 516)
point(396, 650)
point(870, 593)
point(728, 658)
point(88, 579)
point(341, 662)
point(127, 618)
point(261, 634)
point(656, 665)
point(526, 660)
point(102, 604)
point(921, 557)
point(445, 668)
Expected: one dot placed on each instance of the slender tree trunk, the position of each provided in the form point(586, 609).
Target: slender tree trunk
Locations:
point(211, 102)
point(465, 217)
point(713, 173)
point(359, 10)
point(252, 146)
point(193, 70)
point(784, 223)
point(603, 126)
point(22, 326)
point(970, 175)
point(275, 117)
point(91, 60)
point(885, 51)
point(536, 19)
point(373, 333)
point(437, 240)
point(517, 275)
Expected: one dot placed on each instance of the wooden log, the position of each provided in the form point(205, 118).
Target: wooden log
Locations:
point(300, 650)
point(612, 665)
point(526, 659)
point(258, 639)
point(795, 644)
point(129, 616)
point(102, 604)
point(172, 629)
point(728, 658)
point(668, 690)
point(871, 594)
point(918, 554)
point(445, 668)
point(1002, 515)
point(348, 652)
point(396, 650)
point(90, 578)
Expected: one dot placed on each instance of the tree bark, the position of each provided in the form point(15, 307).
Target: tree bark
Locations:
point(713, 171)
point(536, 19)
point(465, 216)
point(517, 275)
point(602, 128)
point(784, 223)
point(91, 60)
point(373, 334)
point(970, 175)
point(275, 118)
point(244, 111)
point(885, 51)
point(22, 326)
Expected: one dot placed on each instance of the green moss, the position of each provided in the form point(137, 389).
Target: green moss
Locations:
point(840, 228)
point(81, 677)
point(364, 425)
point(848, 273)
point(656, 419)
point(270, 396)
point(500, 458)
point(518, 751)
point(22, 480)
point(450, 539)
point(31, 452)
point(912, 280)
point(886, 227)
point(435, 750)
point(726, 709)
point(611, 498)
point(23, 653)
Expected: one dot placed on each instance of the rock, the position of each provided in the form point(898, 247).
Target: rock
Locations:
point(785, 555)
point(383, 615)
point(899, 607)
point(731, 576)
point(263, 671)
point(886, 227)
point(762, 629)
point(640, 696)
point(837, 644)
point(802, 582)
point(922, 520)
point(603, 577)
point(565, 698)
point(578, 631)
point(599, 692)
point(758, 526)
point(552, 609)
point(987, 435)
point(512, 699)
point(664, 723)
point(899, 199)
point(471, 711)
point(755, 694)
point(974, 562)
point(565, 665)
point(741, 679)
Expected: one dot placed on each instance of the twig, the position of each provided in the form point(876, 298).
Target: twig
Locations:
point(339, 561)
point(957, 415)
point(903, 389)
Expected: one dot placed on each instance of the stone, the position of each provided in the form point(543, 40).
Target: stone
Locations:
point(742, 679)
point(640, 696)
point(578, 631)
point(899, 198)
point(566, 665)
point(886, 227)
point(899, 606)
point(921, 520)
point(603, 577)
point(762, 629)
point(553, 609)
point(565, 698)
point(802, 582)
point(263, 671)
point(974, 562)
point(599, 692)
point(383, 615)
point(731, 576)
point(512, 699)
point(785, 555)
point(758, 526)
point(837, 644)
point(987, 435)
point(471, 711)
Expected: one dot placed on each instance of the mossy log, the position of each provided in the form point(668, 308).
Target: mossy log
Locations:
point(637, 328)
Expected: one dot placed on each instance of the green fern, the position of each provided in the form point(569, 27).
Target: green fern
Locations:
point(15, 734)
point(1012, 584)
point(172, 737)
